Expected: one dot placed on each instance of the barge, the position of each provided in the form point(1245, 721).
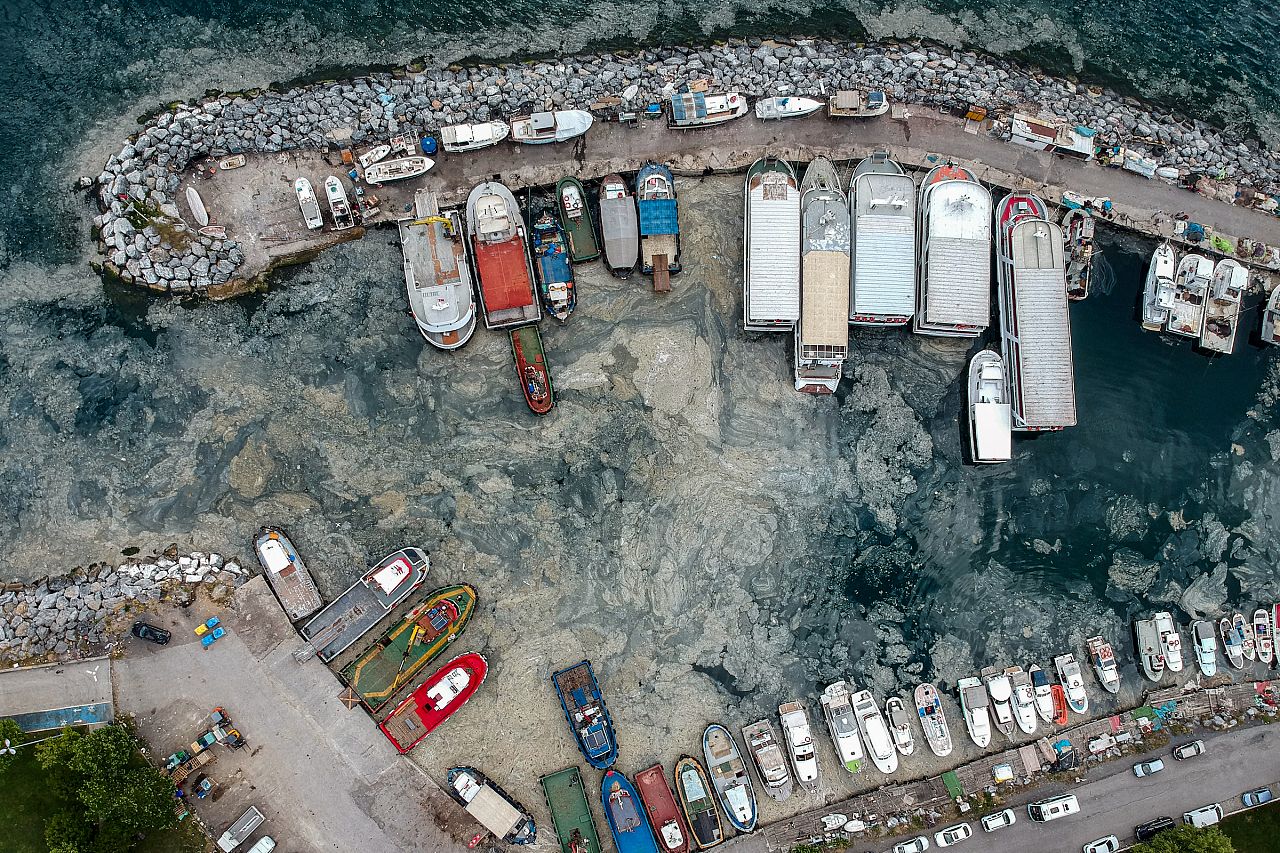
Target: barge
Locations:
point(570, 814)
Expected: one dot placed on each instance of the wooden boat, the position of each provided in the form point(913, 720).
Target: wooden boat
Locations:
point(588, 717)
point(929, 709)
point(286, 574)
point(196, 203)
point(1232, 643)
point(470, 137)
point(532, 369)
point(1262, 635)
point(1059, 705)
point(664, 815)
point(1222, 311)
point(502, 262)
point(550, 248)
point(235, 161)
point(895, 711)
point(1271, 318)
point(373, 155)
point(691, 110)
point(619, 226)
point(771, 764)
point(1077, 232)
point(307, 202)
point(434, 701)
point(543, 127)
point(1103, 658)
point(1244, 628)
point(627, 820)
point(494, 809)
point(850, 104)
point(785, 107)
point(567, 801)
point(397, 170)
point(729, 777)
point(990, 413)
point(659, 224)
point(437, 273)
point(575, 219)
point(339, 207)
point(698, 803)
point(217, 232)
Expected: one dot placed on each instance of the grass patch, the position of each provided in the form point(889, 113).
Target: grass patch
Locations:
point(1256, 830)
point(25, 804)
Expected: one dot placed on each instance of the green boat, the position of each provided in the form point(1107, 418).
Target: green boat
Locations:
point(570, 813)
point(575, 219)
point(405, 648)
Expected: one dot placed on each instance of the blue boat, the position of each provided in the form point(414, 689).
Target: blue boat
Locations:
point(551, 261)
point(627, 820)
point(659, 224)
point(585, 710)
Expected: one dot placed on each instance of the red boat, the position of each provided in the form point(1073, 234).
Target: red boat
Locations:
point(664, 814)
point(502, 259)
point(531, 366)
point(949, 171)
point(435, 700)
point(1059, 705)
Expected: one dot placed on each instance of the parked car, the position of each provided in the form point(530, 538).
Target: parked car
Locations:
point(1152, 828)
point(1147, 768)
point(1203, 816)
point(1188, 750)
point(151, 633)
point(999, 820)
point(1256, 797)
point(919, 844)
point(953, 835)
point(1110, 844)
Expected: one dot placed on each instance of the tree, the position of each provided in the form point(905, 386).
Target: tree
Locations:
point(1188, 839)
point(12, 732)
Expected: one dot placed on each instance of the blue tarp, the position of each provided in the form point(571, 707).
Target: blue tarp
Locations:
point(658, 216)
point(689, 105)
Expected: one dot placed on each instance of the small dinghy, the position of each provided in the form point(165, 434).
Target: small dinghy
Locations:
point(1232, 643)
point(1024, 699)
point(373, 155)
point(1248, 645)
point(899, 725)
point(196, 203)
point(1059, 704)
point(929, 709)
point(217, 232)
point(1043, 692)
point(235, 161)
point(1206, 645)
point(1262, 635)
point(1077, 234)
point(786, 107)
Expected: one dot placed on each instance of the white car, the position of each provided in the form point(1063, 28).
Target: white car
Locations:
point(953, 835)
point(1147, 768)
point(1110, 844)
point(998, 820)
point(919, 844)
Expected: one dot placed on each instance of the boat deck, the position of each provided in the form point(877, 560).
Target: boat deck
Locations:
point(570, 813)
point(504, 282)
point(354, 613)
point(884, 271)
point(772, 267)
point(404, 726)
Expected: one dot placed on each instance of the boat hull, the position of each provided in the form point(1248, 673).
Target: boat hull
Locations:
point(668, 825)
point(570, 814)
point(575, 218)
point(625, 816)
point(501, 258)
point(729, 777)
point(932, 720)
point(532, 370)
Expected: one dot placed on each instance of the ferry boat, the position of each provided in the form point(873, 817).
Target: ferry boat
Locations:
point(786, 107)
point(899, 725)
point(627, 820)
point(1271, 318)
point(822, 335)
point(588, 717)
point(1150, 652)
point(543, 127)
point(1042, 691)
point(339, 207)
point(974, 702)
point(397, 170)
point(307, 202)
point(570, 814)
point(852, 104)
point(659, 225)
point(1077, 229)
point(373, 155)
point(1059, 705)
point(799, 739)
point(1222, 311)
point(470, 137)
point(492, 807)
point(953, 296)
point(286, 574)
point(837, 709)
point(1186, 301)
point(729, 777)
point(1000, 689)
point(502, 262)
point(619, 226)
point(771, 247)
point(1072, 682)
point(1262, 635)
point(1206, 645)
point(437, 274)
point(692, 110)
point(1157, 292)
point(1170, 641)
point(771, 764)
point(882, 207)
point(990, 414)
point(1103, 658)
point(1024, 699)
point(929, 709)
point(366, 602)
point(575, 219)
point(434, 701)
point(1244, 628)
point(532, 370)
point(664, 815)
point(697, 803)
point(556, 286)
point(1232, 642)
point(875, 734)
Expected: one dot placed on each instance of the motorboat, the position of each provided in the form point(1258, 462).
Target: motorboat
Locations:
point(990, 414)
point(974, 702)
point(771, 764)
point(1187, 300)
point(543, 127)
point(1103, 658)
point(1170, 640)
point(339, 206)
point(307, 202)
point(1024, 699)
point(1262, 635)
point(1271, 318)
point(1042, 691)
point(1222, 311)
point(198, 211)
point(1244, 628)
point(1150, 651)
point(397, 170)
point(1157, 292)
point(929, 709)
point(1232, 642)
point(848, 103)
point(786, 107)
point(1206, 646)
point(875, 733)
point(1000, 689)
point(1072, 682)
point(895, 711)
point(837, 709)
point(799, 739)
point(469, 137)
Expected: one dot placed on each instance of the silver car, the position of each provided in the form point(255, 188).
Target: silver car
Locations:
point(1147, 768)
point(1110, 844)
point(919, 844)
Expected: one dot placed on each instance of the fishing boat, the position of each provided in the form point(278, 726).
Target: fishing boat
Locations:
point(1187, 299)
point(786, 107)
point(837, 709)
point(1150, 652)
point(373, 155)
point(550, 247)
point(664, 815)
point(771, 764)
point(570, 814)
point(1170, 640)
point(619, 226)
point(494, 809)
point(543, 127)
point(397, 170)
point(822, 334)
point(1157, 292)
point(437, 273)
point(1244, 628)
point(1275, 630)
point(875, 733)
point(532, 369)
point(575, 219)
point(1072, 682)
point(1262, 635)
point(895, 711)
point(198, 211)
point(953, 281)
point(882, 208)
point(1222, 311)
point(974, 702)
point(1042, 692)
point(1077, 231)
point(659, 224)
point(627, 820)
point(929, 709)
point(1000, 689)
point(339, 207)
point(990, 414)
point(1024, 699)
point(235, 161)
point(729, 777)
point(1232, 642)
point(307, 202)
point(286, 574)
point(1059, 705)
point(697, 802)
point(799, 739)
point(498, 247)
point(1206, 645)
point(588, 717)
point(771, 247)
point(438, 698)
point(1103, 658)
point(692, 110)
point(470, 137)
point(1271, 318)
point(851, 104)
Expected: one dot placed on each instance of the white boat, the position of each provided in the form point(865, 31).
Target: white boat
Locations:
point(882, 210)
point(307, 201)
point(786, 107)
point(852, 104)
point(974, 702)
point(990, 414)
point(1249, 643)
point(1042, 691)
point(1000, 689)
point(470, 137)
point(235, 161)
point(1186, 301)
point(1150, 651)
point(771, 254)
point(1103, 658)
point(934, 723)
point(1024, 699)
point(373, 155)
point(799, 738)
point(837, 708)
point(437, 273)
point(953, 296)
point(1262, 635)
point(1222, 311)
point(339, 207)
point(775, 776)
point(543, 127)
point(875, 732)
point(691, 110)
point(1232, 642)
point(822, 333)
point(397, 170)
point(1072, 682)
point(895, 711)
point(1271, 318)
point(1158, 290)
point(1170, 641)
point(1206, 646)
point(196, 203)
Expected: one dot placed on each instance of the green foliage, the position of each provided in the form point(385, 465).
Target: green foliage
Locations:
point(12, 732)
point(1188, 839)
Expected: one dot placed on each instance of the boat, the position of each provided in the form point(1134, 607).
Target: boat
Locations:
point(899, 725)
point(404, 143)
point(822, 333)
point(692, 110)
point(1150, 651)
point(570, 814)
point(307, 202)
point(1077, 231)
point(438, 698)
point(374, 595)
point(196, 203)
point(875, 733)
point(799, 740)
point(627, 820)
point(851, 104)
point(575, 219)
point(1186, 300)
point(929, 709)
point(373, 155)
point(550, 247)
point(1170, 641)
point(497, 232)
point(837, 710)
point(882, 208)
point(470, 137)
point(1262, 635)
point(437, 274)
point(696, 800)
point(397, 170)
point(1059, 705)
point(729, 777)
point(953, 280)
point(1275, 630)
point(659, 224)
point(532, 369)
point(1271, 318)
point(974, 702)
point(494, 809)
point(339, 207)
point(1244, 628)
point(771, 247)
point(1206, 646)
point(586, 713)
point(619, 226)
point(664, 815)
point(1157, 292)
point(771, 764)
point(1024, 699)
point(286, 574)
point(1000, 689)
point(217, 232)
point(1103, 658)
point(1042, 692)
point(1072, 682)
point(543, 127)
point(1232, 642)
point(786, 107)
point(1222, 311)
point(235, 161)
point(990, 414)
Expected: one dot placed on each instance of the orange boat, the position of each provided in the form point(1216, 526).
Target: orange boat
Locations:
point(1059, 705)
point(948, 171)
point(531, 366)
point(664, 814)
point(436, 700)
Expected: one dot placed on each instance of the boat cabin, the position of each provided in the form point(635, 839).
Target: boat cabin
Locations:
point(454, 683)
point(1043, 134)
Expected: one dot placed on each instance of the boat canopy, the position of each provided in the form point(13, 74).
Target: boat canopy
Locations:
point(992, 423)
point(276, 556)
point(773, 244)
point(825, 303)
point(884, 251)
point(1038, 330)
point(658, 216)
point(494, 813)
point(689, 105)
point(958, 242)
